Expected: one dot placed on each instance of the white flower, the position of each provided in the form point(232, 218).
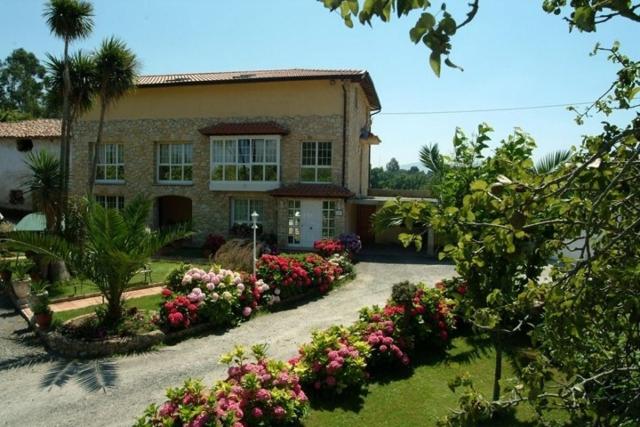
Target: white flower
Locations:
point(211, 286)
point(187, 279)
point(227, 295)
point(215, 297)
point(277, 291)
point(240, 287)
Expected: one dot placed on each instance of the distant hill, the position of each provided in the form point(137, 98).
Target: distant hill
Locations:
point(417, 164)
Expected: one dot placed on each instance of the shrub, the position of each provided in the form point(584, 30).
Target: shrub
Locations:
point(174, 278)
point(178, 311)
point(212, 244)
point(244, 231)
point(288, 276)
point(335, 359)
point(388, 344)
point(351, 242)
point(261, 393)
point(421, 312)
point(220, 296)
point(328, 247)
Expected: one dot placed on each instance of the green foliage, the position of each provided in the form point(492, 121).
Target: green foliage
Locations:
point(22, 86)
point(45, 185)
point(117, 244)
point(435, 26)
point(401, 179)
point(174, 278)
point(69, 19)
point(82, 71)
point(393, 166)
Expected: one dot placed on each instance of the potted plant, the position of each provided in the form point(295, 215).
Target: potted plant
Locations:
point(21, 281)
point(41, 311)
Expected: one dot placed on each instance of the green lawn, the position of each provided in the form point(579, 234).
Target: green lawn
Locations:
point(150, 302)
point(159, 271)
point(420, 398)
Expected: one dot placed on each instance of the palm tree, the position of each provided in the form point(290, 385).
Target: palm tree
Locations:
point(69, 20)
point(117, 244)
point(551, 161)
point(116, 73)
point(82, 70)
point(45, 185)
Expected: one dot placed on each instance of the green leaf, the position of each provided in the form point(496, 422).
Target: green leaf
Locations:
point(585, 18)
point(479, 185)
point(424, 24)
point(434, 61)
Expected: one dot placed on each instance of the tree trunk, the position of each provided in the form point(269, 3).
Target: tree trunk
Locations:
point(498, 370)
point(64, 143)
point(96, 148)
point(58, 271)
point(114, 307)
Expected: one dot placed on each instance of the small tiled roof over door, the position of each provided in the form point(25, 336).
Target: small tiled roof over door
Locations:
point(247, 128)
point(313, 191)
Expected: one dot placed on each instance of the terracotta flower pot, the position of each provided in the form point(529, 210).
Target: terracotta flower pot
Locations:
point(44, 320)
point(22, 288)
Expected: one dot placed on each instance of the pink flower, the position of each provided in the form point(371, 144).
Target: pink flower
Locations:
point(383, 348)
point(176, 318)
point(279, 412)
point(167, 409)
point(333, 354)
point(263, 394)
point(331, 381)
point(317, 385)
point(166, 292)
point(257, 412)
point(246, 312)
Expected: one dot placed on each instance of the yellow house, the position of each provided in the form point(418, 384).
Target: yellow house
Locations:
point(292, 145)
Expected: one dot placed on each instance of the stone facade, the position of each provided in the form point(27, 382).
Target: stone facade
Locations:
point(210, 209)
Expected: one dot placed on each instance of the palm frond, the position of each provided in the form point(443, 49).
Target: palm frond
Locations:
point(431, 159)
point(551, 161)
point(69, 19)
point(116, 70)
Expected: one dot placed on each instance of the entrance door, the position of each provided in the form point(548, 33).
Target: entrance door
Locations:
point(310, 222)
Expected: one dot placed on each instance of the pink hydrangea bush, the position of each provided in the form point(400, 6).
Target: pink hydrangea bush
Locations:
point(221, 297)
point(334, 360)
point(388, 344)
point(260, 393)
point(189, 405)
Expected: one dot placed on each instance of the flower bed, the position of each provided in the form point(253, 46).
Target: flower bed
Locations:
point(265, 392)
point(219, 297)
point(289, 276)
point(416, 318)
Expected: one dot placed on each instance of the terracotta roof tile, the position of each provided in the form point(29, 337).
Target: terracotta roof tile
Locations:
point(359, 76)
point(247, 128)
point(41, 128)
point(312, 190)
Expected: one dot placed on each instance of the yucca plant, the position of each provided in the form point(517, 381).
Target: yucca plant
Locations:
point(117, 244)
point(45, 185)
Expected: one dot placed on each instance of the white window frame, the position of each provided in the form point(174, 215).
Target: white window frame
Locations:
point(316, 166)
point(103, 200)
point(119, 147)
point(294, 222)
point(329, 208)
point(248, 185)
point(172, 165)
point(251, 207)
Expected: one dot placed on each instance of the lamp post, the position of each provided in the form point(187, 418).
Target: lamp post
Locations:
point(254, 226)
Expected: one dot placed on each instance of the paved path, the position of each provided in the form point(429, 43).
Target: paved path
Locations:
point(114, 392)
point(87, 302)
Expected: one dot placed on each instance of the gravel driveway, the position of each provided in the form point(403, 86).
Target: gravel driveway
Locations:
point(55, 392)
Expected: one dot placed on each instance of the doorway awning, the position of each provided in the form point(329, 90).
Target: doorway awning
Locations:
point(313, 191)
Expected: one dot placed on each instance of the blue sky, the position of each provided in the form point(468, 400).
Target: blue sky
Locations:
point(513, 55)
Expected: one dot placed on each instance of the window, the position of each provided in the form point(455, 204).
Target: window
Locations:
point(175, 163)
point(111, 202)
point(24, 145)
point(245, 160)
point(110, 167)
point(243, 208)
point(293, 219)
point(328, 219)
point(316, 162)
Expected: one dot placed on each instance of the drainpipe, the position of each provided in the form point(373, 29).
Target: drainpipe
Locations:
point(369, 176)
point(344, 133)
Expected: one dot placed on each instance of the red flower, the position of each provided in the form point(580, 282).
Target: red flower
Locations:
point(166, 292)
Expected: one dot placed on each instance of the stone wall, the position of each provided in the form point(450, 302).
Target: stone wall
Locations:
point(210, 209)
